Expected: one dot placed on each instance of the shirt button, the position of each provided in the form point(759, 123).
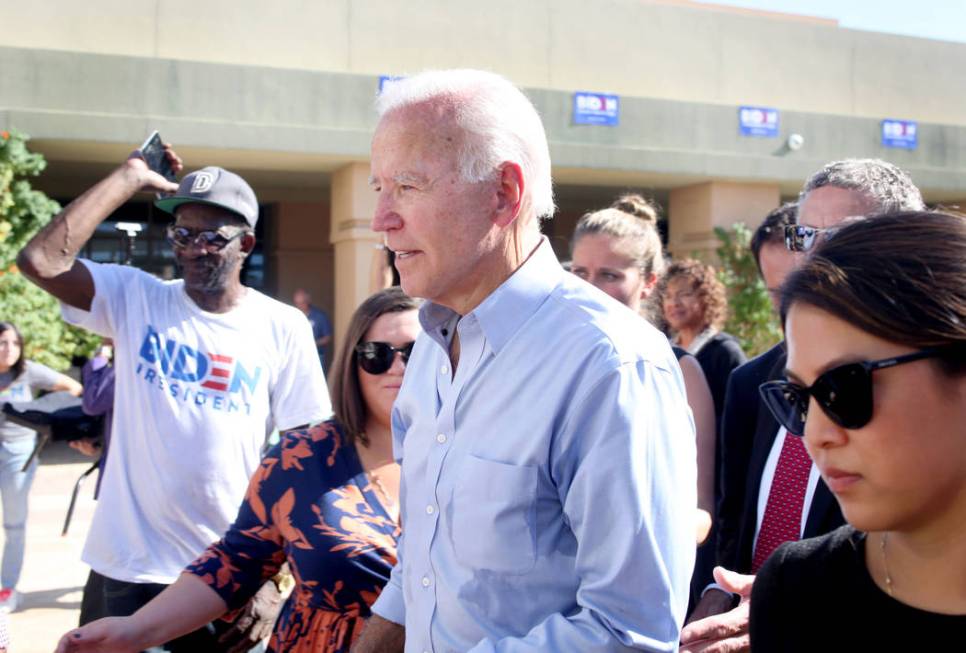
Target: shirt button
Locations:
point(441, 438)
point(430, 509)
point(425, 581)
point(444, 369)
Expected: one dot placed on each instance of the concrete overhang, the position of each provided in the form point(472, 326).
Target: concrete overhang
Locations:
point(290, 129)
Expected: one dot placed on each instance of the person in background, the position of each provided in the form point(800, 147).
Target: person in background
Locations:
point(773, 259)
point(695, 307)
point(756, 513)
point(325, 500)
point(321, 326)
point(875, 322)
point(20, 379)
point(97, 376)
point(619, 251)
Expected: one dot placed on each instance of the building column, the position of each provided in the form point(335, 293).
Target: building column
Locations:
point(353, 205)
point(694, 212)
point(301, 253)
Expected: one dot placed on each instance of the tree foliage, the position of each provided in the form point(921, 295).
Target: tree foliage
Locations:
point(751, 318)
point(23, 211)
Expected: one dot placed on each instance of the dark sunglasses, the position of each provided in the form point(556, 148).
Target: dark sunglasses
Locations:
point(211, 240)
point(844, 393)
point(799, 238)
point(377, 357)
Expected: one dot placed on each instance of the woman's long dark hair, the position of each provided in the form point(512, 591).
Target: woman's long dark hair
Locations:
point(17, 368)
point(899, 276)
point(347, 402)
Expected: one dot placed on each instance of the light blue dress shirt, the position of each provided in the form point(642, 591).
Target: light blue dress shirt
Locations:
point(548, 487)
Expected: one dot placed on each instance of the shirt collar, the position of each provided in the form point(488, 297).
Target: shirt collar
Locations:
point(506, 309)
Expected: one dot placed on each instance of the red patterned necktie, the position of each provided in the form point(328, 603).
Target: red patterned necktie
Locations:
point(783, 512)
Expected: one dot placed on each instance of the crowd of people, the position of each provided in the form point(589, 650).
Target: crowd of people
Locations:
point(524, 458)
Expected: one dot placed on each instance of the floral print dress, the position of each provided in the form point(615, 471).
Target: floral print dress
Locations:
point(310, 504)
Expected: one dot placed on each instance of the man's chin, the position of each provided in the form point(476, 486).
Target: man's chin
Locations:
point(206, 284)
point(413, 286)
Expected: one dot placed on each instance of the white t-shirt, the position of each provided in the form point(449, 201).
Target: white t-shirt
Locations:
point(196, 395)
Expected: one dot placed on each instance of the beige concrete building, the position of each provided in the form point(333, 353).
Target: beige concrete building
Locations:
point(281, 92)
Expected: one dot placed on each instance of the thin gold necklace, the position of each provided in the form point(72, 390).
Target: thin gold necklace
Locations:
point(374, 479)
point(883, 539)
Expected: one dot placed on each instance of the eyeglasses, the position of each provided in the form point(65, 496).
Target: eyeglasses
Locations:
point(844, 393)
point(211, 240)
point(377, 357)
point(799, 238)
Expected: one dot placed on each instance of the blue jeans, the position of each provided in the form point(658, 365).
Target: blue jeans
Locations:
point(14, 488)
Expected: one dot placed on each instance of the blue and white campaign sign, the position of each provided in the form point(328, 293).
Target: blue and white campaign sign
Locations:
point(596, 109)
point(386, 80)
point(758, 121)
point(900, 133)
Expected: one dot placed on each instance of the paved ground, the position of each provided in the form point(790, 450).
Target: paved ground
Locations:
point(53, 575)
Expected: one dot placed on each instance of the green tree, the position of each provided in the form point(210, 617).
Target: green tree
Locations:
point(750, 315)
point(23, 211)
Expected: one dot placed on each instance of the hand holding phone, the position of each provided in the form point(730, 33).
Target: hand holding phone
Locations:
point(154, 154)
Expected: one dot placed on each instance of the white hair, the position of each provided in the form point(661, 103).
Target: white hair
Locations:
point(499, 122)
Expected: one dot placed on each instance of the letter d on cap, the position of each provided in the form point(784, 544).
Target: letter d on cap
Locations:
point(203, 182)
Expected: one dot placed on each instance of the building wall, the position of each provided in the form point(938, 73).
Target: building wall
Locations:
point(282, 93)
point(659, 49)
point(300, 254)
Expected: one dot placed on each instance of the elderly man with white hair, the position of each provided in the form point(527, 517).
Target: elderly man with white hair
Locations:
point(547, 449)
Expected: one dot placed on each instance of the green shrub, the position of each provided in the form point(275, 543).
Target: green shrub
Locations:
point(23, 211)
point(751, 318)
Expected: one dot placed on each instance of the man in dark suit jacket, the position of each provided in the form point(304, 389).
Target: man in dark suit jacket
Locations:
point(749, 433)
point(746, 460)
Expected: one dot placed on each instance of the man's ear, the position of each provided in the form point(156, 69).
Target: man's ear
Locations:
point(509, 194)
point(248, 243)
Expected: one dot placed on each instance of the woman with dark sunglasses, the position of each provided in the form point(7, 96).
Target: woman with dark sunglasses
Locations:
point(325, 500)
point(875, 322)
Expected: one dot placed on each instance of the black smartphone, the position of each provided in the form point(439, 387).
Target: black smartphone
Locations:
point(152, 151)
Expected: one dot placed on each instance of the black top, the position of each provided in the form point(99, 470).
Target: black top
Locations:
point(718, 357)
point(817, 595)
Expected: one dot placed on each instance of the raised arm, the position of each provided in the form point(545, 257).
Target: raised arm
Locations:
point(50, 258)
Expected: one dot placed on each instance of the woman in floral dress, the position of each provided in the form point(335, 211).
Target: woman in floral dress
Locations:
point(324, 500)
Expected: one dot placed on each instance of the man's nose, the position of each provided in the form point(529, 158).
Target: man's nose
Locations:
point(385, 218)
point(195, 248)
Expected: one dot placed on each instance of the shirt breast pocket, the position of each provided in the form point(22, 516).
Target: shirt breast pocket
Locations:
point(494, 516)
